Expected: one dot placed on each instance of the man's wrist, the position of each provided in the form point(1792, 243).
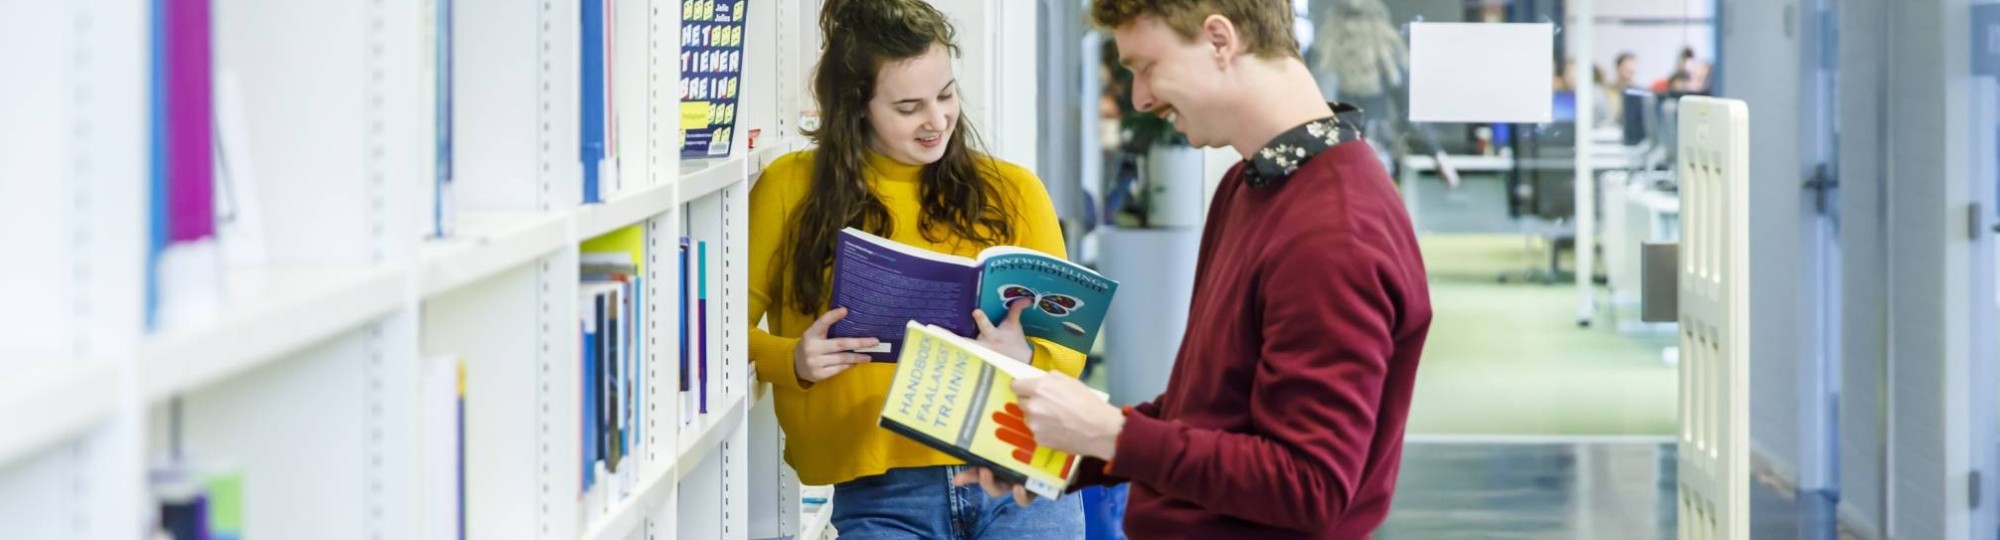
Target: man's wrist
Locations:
point(1107, 442)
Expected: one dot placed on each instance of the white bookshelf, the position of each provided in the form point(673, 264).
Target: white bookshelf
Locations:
point(268, 313)
point(304, 377)
point(41, 405)
point(489, 243)
point(817, 519)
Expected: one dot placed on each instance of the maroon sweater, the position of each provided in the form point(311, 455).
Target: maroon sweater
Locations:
point(1284, 414)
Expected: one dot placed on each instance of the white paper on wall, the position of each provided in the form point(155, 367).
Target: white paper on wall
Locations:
point(1482, 72)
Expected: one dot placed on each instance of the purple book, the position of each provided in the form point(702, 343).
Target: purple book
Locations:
point(886, 284)
point(190, 122)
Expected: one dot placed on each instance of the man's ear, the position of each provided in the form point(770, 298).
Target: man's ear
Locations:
point(1220, 35)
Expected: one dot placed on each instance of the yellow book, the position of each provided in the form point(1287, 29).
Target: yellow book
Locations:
point(629, 240)
point(957, 396)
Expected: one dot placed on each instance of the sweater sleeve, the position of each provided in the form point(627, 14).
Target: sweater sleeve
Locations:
point(1037, 228)
point(771, 202)
point(1327, 317)
point(1096, 471)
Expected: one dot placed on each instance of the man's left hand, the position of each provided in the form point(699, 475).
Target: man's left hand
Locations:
point(1068, 416)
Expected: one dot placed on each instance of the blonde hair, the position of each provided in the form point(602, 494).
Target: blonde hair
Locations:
point(1266, 25)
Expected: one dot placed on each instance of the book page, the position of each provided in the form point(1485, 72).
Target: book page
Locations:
point(884, 288)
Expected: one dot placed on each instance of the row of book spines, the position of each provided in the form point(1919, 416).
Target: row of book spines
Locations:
point(598, 106)
point(442, 208)
point(206, 505)
point(694, 336)
point(610, 352)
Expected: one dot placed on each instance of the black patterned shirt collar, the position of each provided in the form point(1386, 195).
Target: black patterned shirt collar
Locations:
point(1284, 155)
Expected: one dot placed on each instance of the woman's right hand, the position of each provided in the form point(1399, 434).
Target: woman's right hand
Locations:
point(818, 357)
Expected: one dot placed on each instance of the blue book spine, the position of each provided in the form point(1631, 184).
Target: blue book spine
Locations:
point(440, 220)
point(701, 253)
point(156, 238)
point(639, 356)
point(592, 98)
point(589, 406)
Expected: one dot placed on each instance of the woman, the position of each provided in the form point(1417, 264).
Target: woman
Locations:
point(896, 159)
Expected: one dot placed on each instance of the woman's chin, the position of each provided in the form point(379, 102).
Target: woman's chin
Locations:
point(926, 156)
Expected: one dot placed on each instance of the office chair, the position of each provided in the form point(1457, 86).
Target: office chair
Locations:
point(1637, 118)
point(1669, 133)
point(1542, 188)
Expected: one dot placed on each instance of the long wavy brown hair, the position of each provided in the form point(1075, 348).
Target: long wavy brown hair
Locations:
point(961, 198)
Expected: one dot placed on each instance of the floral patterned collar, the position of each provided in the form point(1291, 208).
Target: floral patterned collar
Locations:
point(1291, 149)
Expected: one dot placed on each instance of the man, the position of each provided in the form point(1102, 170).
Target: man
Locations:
point(1628, 71)
point(1284, 414)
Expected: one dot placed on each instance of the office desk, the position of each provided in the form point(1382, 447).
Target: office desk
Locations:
point(1602, 157)
point(1635, 213)
point(1415, 166)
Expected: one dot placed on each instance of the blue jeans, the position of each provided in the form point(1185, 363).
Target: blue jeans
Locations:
point(920, 502)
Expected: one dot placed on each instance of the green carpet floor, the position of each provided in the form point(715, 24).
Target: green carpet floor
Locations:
point(1510, 360)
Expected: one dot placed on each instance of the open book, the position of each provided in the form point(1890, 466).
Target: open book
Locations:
point(956, 396)
point(884, 284)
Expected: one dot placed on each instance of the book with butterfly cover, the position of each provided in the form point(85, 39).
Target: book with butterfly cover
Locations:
point(885, 284)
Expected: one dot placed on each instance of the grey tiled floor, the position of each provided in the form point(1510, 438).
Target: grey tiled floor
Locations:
point(1565, 491)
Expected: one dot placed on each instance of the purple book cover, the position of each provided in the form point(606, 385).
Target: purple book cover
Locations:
point(190, 121)
point(701, 256)
point(884, 286)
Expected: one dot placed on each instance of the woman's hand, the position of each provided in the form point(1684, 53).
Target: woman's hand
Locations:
point(1006, 338)
point(993, 485)
point(818, 357)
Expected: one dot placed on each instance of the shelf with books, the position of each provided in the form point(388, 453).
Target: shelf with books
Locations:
point(702, 438)
point(41, 406)
point(266, 313)
point(488, 243)
point(490, 324)
point(327, 443)
point(625, 210)
point(816, 509)
point(375, 240)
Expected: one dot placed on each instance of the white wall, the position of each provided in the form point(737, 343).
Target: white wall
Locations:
point(1766, 70)
point(997, 70)
point(1864, 266)
point(1928, 291)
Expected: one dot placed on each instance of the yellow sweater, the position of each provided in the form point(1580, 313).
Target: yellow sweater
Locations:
point(830, 427)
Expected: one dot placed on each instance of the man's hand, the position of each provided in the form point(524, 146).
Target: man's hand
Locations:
point(993, 486)
point(1007, 338)
point(1066, 415)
